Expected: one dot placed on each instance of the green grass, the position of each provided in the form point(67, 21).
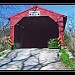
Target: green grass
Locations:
point(53, 43)
point(52, 47)
point(65, 58)
point(2, 54)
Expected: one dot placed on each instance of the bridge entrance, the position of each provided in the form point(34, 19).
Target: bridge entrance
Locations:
point(35, 31)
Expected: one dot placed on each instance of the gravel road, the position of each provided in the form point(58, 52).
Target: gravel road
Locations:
point(31, 59)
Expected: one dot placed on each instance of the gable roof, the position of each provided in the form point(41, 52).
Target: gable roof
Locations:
point(35, 8)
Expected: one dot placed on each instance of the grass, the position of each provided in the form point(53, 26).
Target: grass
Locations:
point(52, 47)
point(2, 54)
point(53, 43)
point(65, 58)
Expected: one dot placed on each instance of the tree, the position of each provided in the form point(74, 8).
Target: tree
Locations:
point(5, 12)
point(70, 32)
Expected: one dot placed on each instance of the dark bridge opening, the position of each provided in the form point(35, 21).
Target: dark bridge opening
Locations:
point(34, 32)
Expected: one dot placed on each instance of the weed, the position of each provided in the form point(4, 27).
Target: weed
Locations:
point(65, 58)
point(2, 54)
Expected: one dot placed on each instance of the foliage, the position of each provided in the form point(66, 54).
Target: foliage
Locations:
point(66, 38)
point(69, 38)
point(4, 36)
point(65, 58)
point(2, 53)
point(5, 12)
point(3, 44)
point(53, 43)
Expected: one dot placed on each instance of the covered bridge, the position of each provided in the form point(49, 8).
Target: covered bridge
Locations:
point(33, 27)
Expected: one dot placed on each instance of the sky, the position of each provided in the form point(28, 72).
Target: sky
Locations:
point(9, 10)
point(62, 9)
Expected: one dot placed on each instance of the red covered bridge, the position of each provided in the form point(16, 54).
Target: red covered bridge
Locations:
point(35, 26)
